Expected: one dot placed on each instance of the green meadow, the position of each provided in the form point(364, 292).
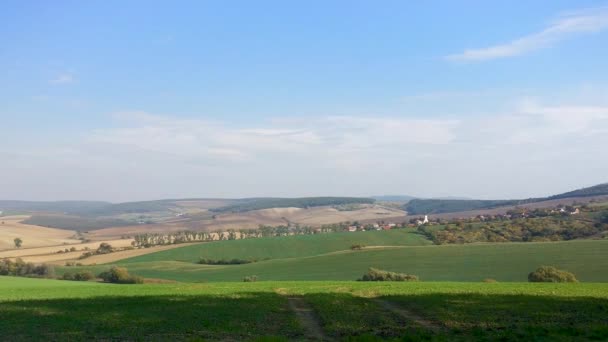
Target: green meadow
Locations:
point(36, 309)
point(329, 257)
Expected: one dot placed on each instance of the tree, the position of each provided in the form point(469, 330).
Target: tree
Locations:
point(18, 242)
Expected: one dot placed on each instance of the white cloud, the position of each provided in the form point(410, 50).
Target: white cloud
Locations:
point(531, 150)
point(63, 78)
point(576, 23)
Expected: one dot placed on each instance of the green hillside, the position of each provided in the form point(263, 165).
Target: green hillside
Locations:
point(287, 246)
point(587, 259)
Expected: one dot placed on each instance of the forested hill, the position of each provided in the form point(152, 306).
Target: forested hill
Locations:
point(438, 206)
point(597, 190)
point(304, 202)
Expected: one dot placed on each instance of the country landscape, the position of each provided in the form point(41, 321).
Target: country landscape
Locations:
point(294, 262)
point(320, 170)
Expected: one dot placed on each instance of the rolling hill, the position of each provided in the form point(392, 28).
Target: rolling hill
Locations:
point(439, 206)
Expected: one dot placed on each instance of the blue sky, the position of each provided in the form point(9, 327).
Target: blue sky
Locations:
point(133, 100)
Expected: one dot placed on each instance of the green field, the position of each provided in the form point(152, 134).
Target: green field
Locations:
point(294, 258)
point(287, 246)
point(33, 309)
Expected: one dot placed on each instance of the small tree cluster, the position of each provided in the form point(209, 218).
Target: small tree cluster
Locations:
point(205, 261)
point(250, 279)
point(550, 274)
point(78, 276)
point(374, 274)
point(120, 275)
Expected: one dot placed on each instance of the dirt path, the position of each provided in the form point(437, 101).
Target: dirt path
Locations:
point(408, 315)
point(307, 318)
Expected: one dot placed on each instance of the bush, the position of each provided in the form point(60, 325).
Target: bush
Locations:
point(205, 261)
point(375, 274)
point(120, 275)
point(550, 274)
point(78, 276)
point(490, 280)
point(250, 279)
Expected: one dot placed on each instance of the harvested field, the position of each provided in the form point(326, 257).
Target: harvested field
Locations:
point(32, 236)
point(48, 254)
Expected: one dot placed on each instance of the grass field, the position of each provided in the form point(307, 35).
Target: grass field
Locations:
point(32, 309)
point(587, 259)
point(287, 247)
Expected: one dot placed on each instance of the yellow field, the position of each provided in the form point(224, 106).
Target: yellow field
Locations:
point(32, 236)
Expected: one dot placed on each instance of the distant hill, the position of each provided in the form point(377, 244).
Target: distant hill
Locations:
point(56, 206)
point(439, 206)
point(304, 202)
point(597, 190)
point(393, 198)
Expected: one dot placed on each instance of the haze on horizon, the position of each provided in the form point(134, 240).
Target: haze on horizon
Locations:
point(132, 101)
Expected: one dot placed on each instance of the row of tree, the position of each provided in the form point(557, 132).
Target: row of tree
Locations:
point(20, 268)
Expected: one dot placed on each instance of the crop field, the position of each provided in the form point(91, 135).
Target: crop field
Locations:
point(12, 227)
point(288, 246)
point(34, 309)
point(309, 258)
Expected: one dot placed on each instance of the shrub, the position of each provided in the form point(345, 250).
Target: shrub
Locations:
point(205, 261)
point(490, 280)
point(550, 274)
point(120, 275)
point(250, 279)
point(374, 274)
point(85, 255)
point(67, 276)
point(78, 276)
point(104, 248)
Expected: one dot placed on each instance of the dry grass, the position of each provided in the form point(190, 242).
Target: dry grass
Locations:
point(48, 254)
point(32, 236)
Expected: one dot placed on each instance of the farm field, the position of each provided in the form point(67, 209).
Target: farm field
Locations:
point(288, 246)
point(32, 236)
point(35, 309)
point(587, 259)
point(48, 254)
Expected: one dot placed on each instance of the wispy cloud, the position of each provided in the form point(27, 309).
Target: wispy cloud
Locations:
point(475, 155)
point(575, 23)
point(63, 78)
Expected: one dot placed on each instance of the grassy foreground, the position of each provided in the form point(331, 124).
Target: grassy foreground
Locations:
point(32, 309)
point(587, 259)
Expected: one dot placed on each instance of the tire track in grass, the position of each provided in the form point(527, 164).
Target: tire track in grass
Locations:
point(306, 316)
point(410, 316)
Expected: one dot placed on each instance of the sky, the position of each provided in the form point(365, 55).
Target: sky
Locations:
point(137, 100)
